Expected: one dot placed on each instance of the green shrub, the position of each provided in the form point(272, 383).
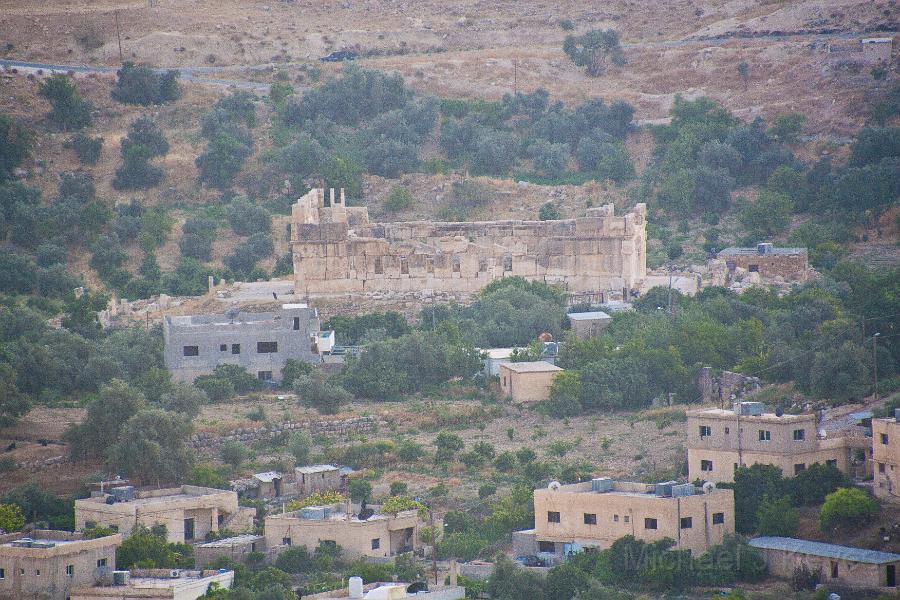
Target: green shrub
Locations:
point(142, 85)
point(70, 111)
point(846, 508)
point(399, 199)
point(87, 148)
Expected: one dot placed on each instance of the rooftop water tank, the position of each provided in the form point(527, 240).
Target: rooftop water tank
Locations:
point(601, 484)
point(665, 488)
point(682, 490)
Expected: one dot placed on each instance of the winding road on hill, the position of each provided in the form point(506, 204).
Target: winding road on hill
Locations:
point(208, 75)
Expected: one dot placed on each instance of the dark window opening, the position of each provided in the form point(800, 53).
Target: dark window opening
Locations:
point(687, 522)
point(799, 434)
point(649, 523)
point(456, 264)
point(881, 467)
point(266, 347)
point(798, 468)
point(884, 438)
point(831, 462)
point(706, 465)
point(834, 569)
point(753, 268)
point(482, 265)
point(376, 543)
point(552, 517)
point(191, 350)
point(264, 375)
point(705, 431)
point(101, 562)
point(286, 542)
point(235, 348)
point(223, 347)
point(718, 518)
point(296, 323)
point(507, 263)
point(765, 435)
point(379, 267)
point(549, 547)
point(188, 529)
point(590, 519)
point(404, 266)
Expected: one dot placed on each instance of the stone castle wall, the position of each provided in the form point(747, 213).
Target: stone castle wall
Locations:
point(336, 250)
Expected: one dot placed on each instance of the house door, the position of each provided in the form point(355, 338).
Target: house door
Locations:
point(891, 575)
point(188, 529)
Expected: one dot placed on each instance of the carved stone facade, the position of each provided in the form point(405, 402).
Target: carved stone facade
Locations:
point(336, 250)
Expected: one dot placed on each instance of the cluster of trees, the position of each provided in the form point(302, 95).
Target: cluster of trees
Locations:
point(70, 112)
point(766, 503)
point(811, 337)
point(140, 84)
point(491, 138)
point(227, 127)
point(144, 142)
point(353, 330)
point(705, 153)
point(626, 568)
point(595, 50)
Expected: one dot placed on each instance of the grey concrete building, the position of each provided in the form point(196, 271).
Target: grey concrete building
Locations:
point(259, 342)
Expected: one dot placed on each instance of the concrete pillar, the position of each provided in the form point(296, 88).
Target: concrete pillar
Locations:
point(343, 198)
point(211, 285)
point(454, 572)
point(332, 196)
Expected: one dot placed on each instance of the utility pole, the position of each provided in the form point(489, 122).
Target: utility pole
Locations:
point(119, 36)
point(515, 76)
point(875, 362)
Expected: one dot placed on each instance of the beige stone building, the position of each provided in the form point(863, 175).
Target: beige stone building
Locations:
point(790, 264)
point(316, 478)
point(596, 513)
point(886, 459)
point(527, 381)
point(589, 324)
point(720, 440)
point(47, 565)
point(337, 250)
point(234, 548)
point(155, 584)
point(381, 535)
point(188, 512)
point(842, 565)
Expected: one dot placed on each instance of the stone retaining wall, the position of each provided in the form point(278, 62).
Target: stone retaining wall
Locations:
point(337, 428)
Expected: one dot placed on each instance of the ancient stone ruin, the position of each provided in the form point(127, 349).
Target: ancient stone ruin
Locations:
point(336, 250)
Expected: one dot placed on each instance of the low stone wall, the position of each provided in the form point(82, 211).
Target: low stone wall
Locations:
point(336, 428)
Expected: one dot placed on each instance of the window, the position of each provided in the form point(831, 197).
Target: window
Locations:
point(615, 518)
point(547, 547)
point(590, 519)
point(379, 268)
point(799, 435)
point(831, 462)
point(37, 572)
point(2, 574)
point(376, 543)
point(429, 265)
point(456, 264)
point(753, 268)
point(727, 431)
point(649, 523)
point(552, 517)
point(264, 375)
point(22, 571)
point(881, 467)
point(285, 541)
point(235, 348)
point(101, 562)
point(627, 518)
point(266, 347)
point(718, 518)
point(705, 431)
point(296, 323)
point(765, 435)
point(686, 522)
point(191, 350)
point(404, 266)
point(482, 265)
point(884, 438)
point(70, 570)
point(221, 520)
point(735, 466)
point(834, 569)
point(507, 263)
point(798, 468)
point(706, 465)
point(223, 347)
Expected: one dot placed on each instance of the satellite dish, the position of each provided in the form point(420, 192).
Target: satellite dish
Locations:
point(554, 486)
point(779, 411)
point(708, 487)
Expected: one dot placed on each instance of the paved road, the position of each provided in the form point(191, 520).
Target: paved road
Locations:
point(192, 74)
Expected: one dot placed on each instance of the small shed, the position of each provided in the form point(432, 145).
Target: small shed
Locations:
point(589, 324)
point(315, 478)
point(844, 565)
point(493, 358)
point(527, 381)
point(235, 548)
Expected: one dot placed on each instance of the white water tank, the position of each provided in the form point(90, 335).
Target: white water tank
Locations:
point(356, 587)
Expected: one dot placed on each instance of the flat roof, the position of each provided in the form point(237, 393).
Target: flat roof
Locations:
point(735, 251)
point(727, 413)
point(315, 469)
point(268, 476)
point(588, 316)
point(861, 555)
point(247, 538)
point(537, 366)
point(46, 543)
point(498, 352)
point(295, 305)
